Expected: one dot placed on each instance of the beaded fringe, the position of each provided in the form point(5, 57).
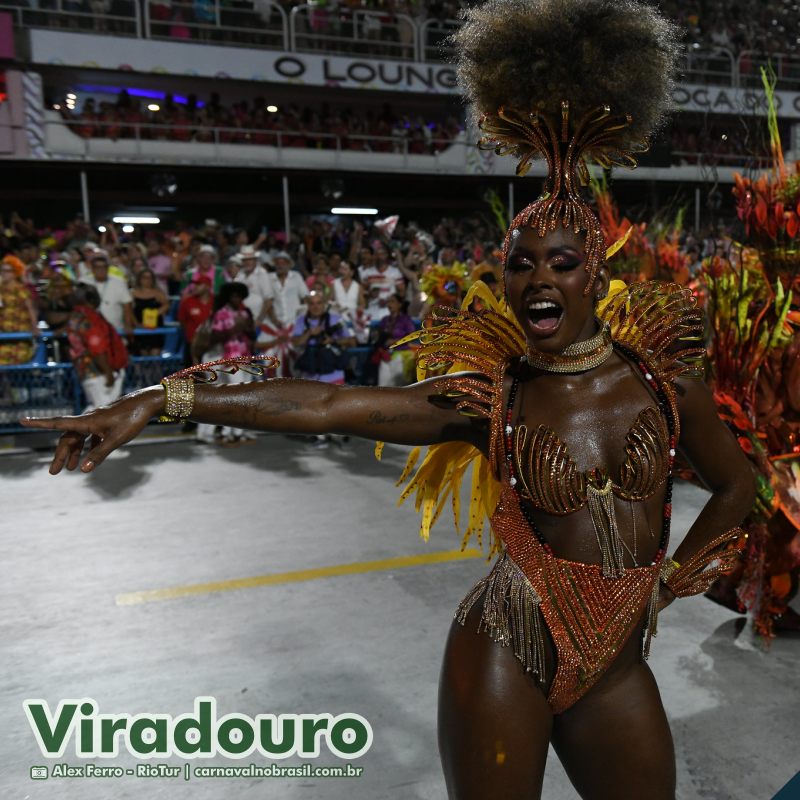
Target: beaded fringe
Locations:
point(511, 613)
point(651, 624)
point(604, 519)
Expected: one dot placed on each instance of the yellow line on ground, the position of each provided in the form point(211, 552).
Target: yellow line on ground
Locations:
point(152, 595)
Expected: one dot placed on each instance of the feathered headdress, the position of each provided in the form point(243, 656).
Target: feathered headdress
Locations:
point(569, 81)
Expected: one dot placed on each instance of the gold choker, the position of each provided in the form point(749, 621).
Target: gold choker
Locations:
point(578, 357)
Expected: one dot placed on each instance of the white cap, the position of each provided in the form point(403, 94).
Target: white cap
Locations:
point(283, 254)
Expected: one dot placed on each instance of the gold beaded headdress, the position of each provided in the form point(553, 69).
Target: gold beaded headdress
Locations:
point(566, 153)
point(569, 81)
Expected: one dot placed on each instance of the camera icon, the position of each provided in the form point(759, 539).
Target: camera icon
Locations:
point(39, 773)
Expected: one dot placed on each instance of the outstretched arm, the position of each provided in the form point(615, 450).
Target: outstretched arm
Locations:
point(720, 464)
point(416, 414)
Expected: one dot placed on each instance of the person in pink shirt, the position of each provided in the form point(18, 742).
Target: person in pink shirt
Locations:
point(232, 324)
point(160, 263)
point(232, 336)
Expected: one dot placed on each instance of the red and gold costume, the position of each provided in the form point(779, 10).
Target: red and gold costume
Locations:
point(589, 610)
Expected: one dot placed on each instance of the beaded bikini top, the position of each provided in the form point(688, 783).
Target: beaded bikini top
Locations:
point(551, 481)
point(652, 323)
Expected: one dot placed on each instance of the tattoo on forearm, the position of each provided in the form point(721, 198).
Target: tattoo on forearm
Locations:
point(378, 418)
point(276, 407)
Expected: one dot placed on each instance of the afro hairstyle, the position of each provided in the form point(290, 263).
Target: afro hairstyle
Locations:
point(530, 55)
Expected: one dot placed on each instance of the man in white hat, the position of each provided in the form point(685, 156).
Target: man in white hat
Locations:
point(205, 263)
point(84, 269)
point(289, 290)
point(256, 279)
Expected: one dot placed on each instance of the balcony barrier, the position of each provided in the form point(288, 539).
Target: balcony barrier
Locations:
point(220, 23)
point(77, 16)
point(433, 35)
point(308, 29)
point(353, 33)
point(179, 143)
point(189, 143)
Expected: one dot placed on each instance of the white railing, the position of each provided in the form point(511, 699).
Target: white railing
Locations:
point(373, 34)
point(192, 143)
point(62, 17)
point(218, 24)
point(433, 34)
point(353, 33)
point(705, 159)
point(786, 66)
point(189, 143)
point(717, 67)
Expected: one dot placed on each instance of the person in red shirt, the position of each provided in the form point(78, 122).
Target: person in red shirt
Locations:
point(194, 309)
point(96, 350)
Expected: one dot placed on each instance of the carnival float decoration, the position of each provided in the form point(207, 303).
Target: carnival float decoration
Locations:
point(754, 325)
point(635, 261)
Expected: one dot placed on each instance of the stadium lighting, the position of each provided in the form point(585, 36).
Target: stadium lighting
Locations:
point(127, 228)
point(101, 229)
point(363, 211)
point(154, 107)
point(272, 109)
point(128, 220)
point(72, 96)
point(57, 107)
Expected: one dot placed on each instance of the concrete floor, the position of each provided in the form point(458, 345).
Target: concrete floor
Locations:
point(167, 515)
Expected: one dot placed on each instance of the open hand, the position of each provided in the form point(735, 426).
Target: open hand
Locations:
point(107, 428)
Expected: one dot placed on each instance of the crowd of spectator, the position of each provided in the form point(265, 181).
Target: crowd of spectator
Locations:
point(308, 300)
point(717, 145)
point(691, 140)
point(735, 26)
point(768, 26)
point(334, 285)
point(250, 122)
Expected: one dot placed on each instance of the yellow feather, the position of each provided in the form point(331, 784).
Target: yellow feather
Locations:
point(619, 244)
point(411, 462)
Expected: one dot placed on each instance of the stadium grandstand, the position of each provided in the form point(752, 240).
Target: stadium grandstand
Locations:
point(296, 187)
point(265, 116)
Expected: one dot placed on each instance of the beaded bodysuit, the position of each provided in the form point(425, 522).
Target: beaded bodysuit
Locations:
point(589, 610)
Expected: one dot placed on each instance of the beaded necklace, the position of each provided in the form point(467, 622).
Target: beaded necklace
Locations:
point(667, 408)
point(578, 357)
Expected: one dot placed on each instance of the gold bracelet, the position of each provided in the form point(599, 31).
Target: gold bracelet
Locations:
point(179, 399)
point(669, 567)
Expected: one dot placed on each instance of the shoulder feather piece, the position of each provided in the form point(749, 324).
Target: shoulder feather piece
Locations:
point(474, 347)
point(661, 323)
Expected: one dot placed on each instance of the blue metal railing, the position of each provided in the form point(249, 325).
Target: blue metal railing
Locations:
point(45, 387)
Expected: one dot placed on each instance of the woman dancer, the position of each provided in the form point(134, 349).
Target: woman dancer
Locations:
point(568, 405)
